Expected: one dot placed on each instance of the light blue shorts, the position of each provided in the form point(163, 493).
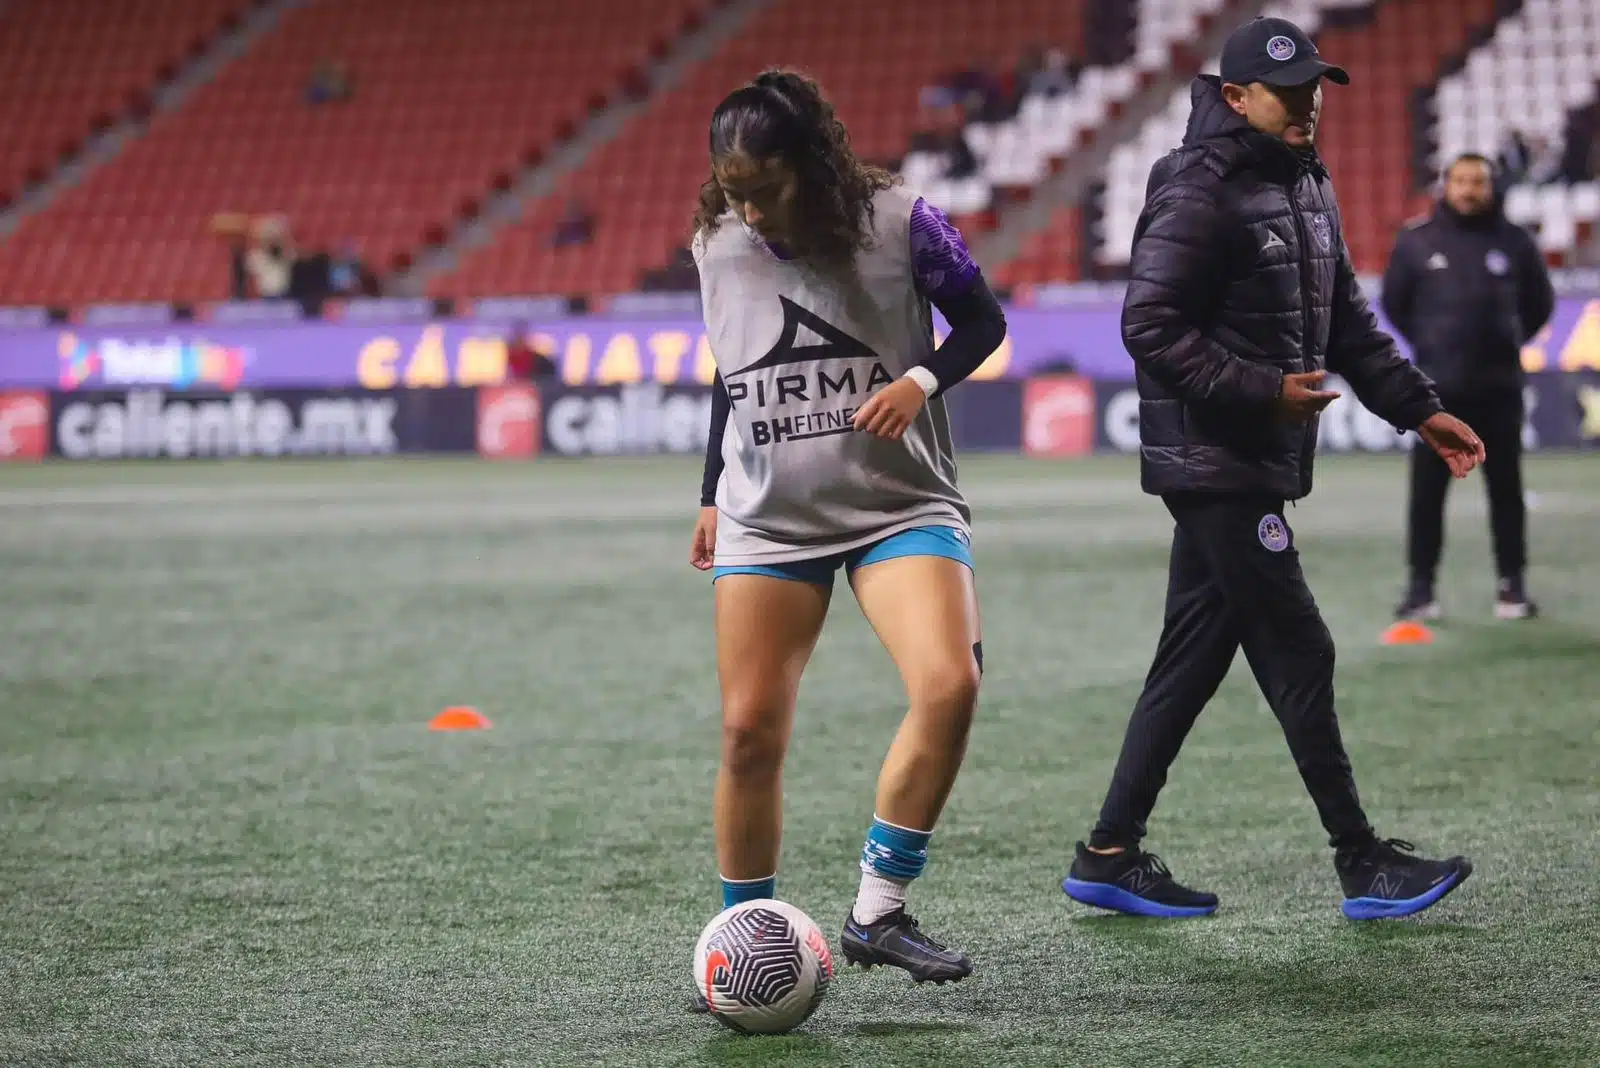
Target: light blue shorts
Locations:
point(947, 542)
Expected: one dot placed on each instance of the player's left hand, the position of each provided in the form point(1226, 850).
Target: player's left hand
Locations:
point(1457, 445)
point(891, 409)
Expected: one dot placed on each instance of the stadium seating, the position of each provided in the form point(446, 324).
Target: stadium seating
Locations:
point(1130, 162)
point(1055, 252)
point(1542, 63)
point(1018, 153)
point(1368, 139)
point(449, 99)
point(70, 68)
point(1391, 49)
point(872, 59)
point(1564, 217)
point(452, 100)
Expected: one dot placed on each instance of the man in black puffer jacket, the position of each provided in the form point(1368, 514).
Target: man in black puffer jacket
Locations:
point(1241, 294)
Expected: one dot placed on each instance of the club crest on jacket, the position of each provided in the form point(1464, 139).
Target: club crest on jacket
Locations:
point(1322, 229)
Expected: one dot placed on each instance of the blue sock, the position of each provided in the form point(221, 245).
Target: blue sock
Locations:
point(891, 858)
point(738, 891)
point(894, 852)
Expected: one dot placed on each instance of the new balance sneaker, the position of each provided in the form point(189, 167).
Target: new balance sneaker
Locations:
point(1385, 880)
point(1134, 882)
point(1418, 604)
point(1511, 601)
point(897, 941)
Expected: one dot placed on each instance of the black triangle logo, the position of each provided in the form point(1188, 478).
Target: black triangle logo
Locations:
point(835, 344)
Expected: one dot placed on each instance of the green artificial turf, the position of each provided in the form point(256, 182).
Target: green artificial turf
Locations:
point(227, 838)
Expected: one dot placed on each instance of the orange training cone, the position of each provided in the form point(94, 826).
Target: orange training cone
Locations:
point(460, 718)
point(1408, 632)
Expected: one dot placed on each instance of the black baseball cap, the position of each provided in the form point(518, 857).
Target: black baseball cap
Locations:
point(1277, 52)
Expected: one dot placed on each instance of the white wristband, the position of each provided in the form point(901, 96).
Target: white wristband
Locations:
point(924, 378)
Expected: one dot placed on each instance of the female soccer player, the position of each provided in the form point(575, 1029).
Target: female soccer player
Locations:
point(830, 446)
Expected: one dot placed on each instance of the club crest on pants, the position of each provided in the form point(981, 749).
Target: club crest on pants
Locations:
point(1273, 532)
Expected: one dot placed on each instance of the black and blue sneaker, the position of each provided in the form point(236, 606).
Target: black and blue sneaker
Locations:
point(1134, 882)
point(1383, 880)
point(897, 941)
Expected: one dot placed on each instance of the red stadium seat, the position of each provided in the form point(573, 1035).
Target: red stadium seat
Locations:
point(68, 68)
point(447, 98)
point(871, 59)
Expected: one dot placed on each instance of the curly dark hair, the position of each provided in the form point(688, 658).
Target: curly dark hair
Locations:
point(783, 113)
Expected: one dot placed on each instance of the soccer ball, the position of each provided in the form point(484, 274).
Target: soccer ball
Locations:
point(762, 966)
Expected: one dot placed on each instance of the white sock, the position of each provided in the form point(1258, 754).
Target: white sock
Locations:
point(878, 897)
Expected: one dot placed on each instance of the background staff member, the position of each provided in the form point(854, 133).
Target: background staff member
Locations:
point(1467, 288)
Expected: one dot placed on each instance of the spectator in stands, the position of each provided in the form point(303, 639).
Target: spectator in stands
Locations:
point(267, 266)
point(349, 276)
point(1577, 164)
point(960, 162)
point(270, 261)
point(1055, 77)
point(524, 363)
point(576, 225)
point(1545, 161)
point(259, 253)
point(944, 135)
point(978, 93)
point(330, 83)
point(1030, 61)
point(1467, 288)
point(345, 272)
point(1515, 157)
point(234, 229)
point(934, 97)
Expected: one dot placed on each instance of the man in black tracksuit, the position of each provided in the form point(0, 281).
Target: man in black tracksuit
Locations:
point(1241, 293)
point(1467, 288)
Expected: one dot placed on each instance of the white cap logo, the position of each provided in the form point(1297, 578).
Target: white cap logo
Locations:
point(1281, 48)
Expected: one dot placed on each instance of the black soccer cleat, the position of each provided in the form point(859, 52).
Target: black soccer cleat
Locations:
point(1384, 880)
point(1511, 601)
point(1133, 882)
point(1418, 604)
point(897, 941)
point(698, 1004)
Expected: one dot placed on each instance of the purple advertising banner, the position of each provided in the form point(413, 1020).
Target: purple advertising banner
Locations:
point(589, 350)
point(1562, 412)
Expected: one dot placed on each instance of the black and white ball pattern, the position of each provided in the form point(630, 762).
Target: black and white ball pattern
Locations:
point(763, 967)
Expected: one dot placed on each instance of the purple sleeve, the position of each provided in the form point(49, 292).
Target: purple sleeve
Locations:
point(940, 262)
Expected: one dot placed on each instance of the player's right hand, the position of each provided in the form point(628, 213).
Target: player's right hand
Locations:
point(703, 549)
point(1301, 399)
point(1456, 443)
